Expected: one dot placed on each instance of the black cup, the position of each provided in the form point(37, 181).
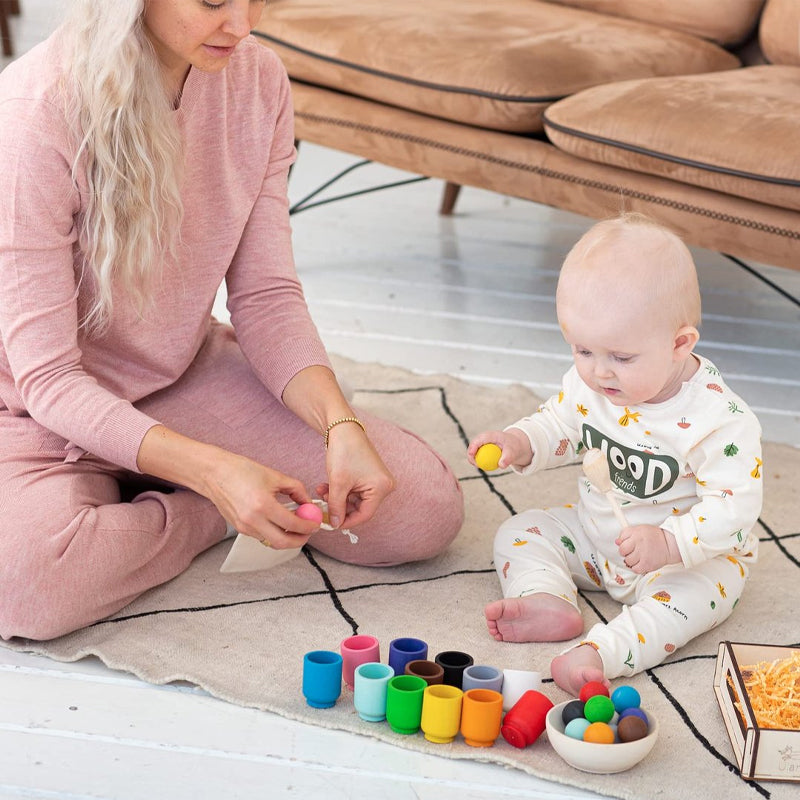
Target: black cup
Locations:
point(453, 662)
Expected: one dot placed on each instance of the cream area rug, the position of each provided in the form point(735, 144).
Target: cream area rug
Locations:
point(242, 636)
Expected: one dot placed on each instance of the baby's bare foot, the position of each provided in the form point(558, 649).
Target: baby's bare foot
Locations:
point(571, 670)
point(534, 618)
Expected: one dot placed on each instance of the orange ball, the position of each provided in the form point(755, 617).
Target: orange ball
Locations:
point(599, 733)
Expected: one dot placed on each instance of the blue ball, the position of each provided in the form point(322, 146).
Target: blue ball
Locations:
point(624, 697)
point(576, 728)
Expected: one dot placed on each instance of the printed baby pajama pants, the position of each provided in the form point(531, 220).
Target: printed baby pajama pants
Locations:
point(549, 551)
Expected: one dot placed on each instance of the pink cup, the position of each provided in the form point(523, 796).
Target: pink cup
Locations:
point(357, 650)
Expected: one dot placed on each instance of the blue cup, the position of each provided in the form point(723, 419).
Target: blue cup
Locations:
point(322, 678)
point(406, 649)
point(370, 684)
point(480, 676)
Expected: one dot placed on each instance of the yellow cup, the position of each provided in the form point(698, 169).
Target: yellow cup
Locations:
point(481, 714)
point(441, 712)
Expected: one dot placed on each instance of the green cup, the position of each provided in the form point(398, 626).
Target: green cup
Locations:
point(404, 703)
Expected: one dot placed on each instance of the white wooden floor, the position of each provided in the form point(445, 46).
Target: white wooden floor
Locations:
point(390, 281)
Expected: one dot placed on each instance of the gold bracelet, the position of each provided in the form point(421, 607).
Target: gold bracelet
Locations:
point(339, 422)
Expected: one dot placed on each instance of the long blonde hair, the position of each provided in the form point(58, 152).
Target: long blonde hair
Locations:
point(129, 152)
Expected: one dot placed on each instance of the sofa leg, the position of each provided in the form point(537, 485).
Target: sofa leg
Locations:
point(5, 30)
point(449, 197)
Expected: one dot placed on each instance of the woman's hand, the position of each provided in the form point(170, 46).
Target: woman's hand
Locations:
point(358, 480)
point(245, 492)
point(247, 495)
point(515, 447)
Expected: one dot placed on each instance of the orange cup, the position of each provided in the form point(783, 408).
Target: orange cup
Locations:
point(481, 714)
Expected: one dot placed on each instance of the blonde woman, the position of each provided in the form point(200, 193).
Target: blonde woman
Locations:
point(144, 154)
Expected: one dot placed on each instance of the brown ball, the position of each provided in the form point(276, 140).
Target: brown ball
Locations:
point(631, 728)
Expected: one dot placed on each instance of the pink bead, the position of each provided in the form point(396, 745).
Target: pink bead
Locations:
point(310, 512)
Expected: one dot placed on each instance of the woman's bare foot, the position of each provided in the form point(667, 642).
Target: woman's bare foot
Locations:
point(571, 670)
point(534, 618)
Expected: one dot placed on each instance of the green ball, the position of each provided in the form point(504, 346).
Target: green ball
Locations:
point(598, 708)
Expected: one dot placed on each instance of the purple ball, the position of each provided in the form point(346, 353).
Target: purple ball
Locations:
point(634, 712)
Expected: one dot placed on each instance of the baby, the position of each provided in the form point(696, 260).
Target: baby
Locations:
point(684, 456)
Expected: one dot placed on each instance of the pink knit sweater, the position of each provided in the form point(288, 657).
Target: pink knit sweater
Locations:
point(238, 135)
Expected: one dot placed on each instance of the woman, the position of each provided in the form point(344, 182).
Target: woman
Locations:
point(144, 154)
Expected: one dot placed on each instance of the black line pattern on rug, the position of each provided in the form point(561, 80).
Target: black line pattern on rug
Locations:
point(294, 596)
point(709, 748)
point(337, 604)
point(777, 540)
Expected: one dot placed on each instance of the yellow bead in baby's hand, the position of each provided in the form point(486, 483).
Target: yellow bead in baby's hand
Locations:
point(488, 457)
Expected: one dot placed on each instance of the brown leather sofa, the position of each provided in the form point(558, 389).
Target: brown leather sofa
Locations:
point(685, 110)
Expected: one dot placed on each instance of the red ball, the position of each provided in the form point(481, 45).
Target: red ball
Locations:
point(591, 689)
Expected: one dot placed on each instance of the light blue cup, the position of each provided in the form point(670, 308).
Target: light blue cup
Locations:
point(322, 678)
point(370, 685)
point(480, 676)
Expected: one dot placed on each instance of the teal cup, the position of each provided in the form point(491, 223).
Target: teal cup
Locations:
point(370, 684)
point(404, 703)
point(322, 678)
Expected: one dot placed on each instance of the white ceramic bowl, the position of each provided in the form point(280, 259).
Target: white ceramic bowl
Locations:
point(598, 758)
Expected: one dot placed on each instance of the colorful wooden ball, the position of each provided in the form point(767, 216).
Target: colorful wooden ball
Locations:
point(310, 512)
point(572, 710)
point(598, 708)
point(625, 697)
point(488, 457)
point(577, 727)
point(631, 728)
point(592, 688)
point(599, 733)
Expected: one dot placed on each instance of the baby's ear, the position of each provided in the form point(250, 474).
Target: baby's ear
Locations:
point(685, 340)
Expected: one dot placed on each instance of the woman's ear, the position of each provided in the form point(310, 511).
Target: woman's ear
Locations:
point(685, 340)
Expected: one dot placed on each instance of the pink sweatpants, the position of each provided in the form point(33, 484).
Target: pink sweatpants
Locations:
point(72, 551)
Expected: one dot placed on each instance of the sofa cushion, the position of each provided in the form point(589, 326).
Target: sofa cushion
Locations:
point(495, 65)
point(779, 32)
point(734, 132)
point(728, 22)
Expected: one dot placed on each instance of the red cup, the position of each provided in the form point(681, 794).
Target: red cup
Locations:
point(524, 722)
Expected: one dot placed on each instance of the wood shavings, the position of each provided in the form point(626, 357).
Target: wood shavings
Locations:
point(773, 689)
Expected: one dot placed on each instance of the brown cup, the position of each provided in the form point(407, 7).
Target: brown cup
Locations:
point(429, 671)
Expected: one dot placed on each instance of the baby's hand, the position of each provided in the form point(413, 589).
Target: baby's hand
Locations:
point(645, 548)
point(514, 445)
